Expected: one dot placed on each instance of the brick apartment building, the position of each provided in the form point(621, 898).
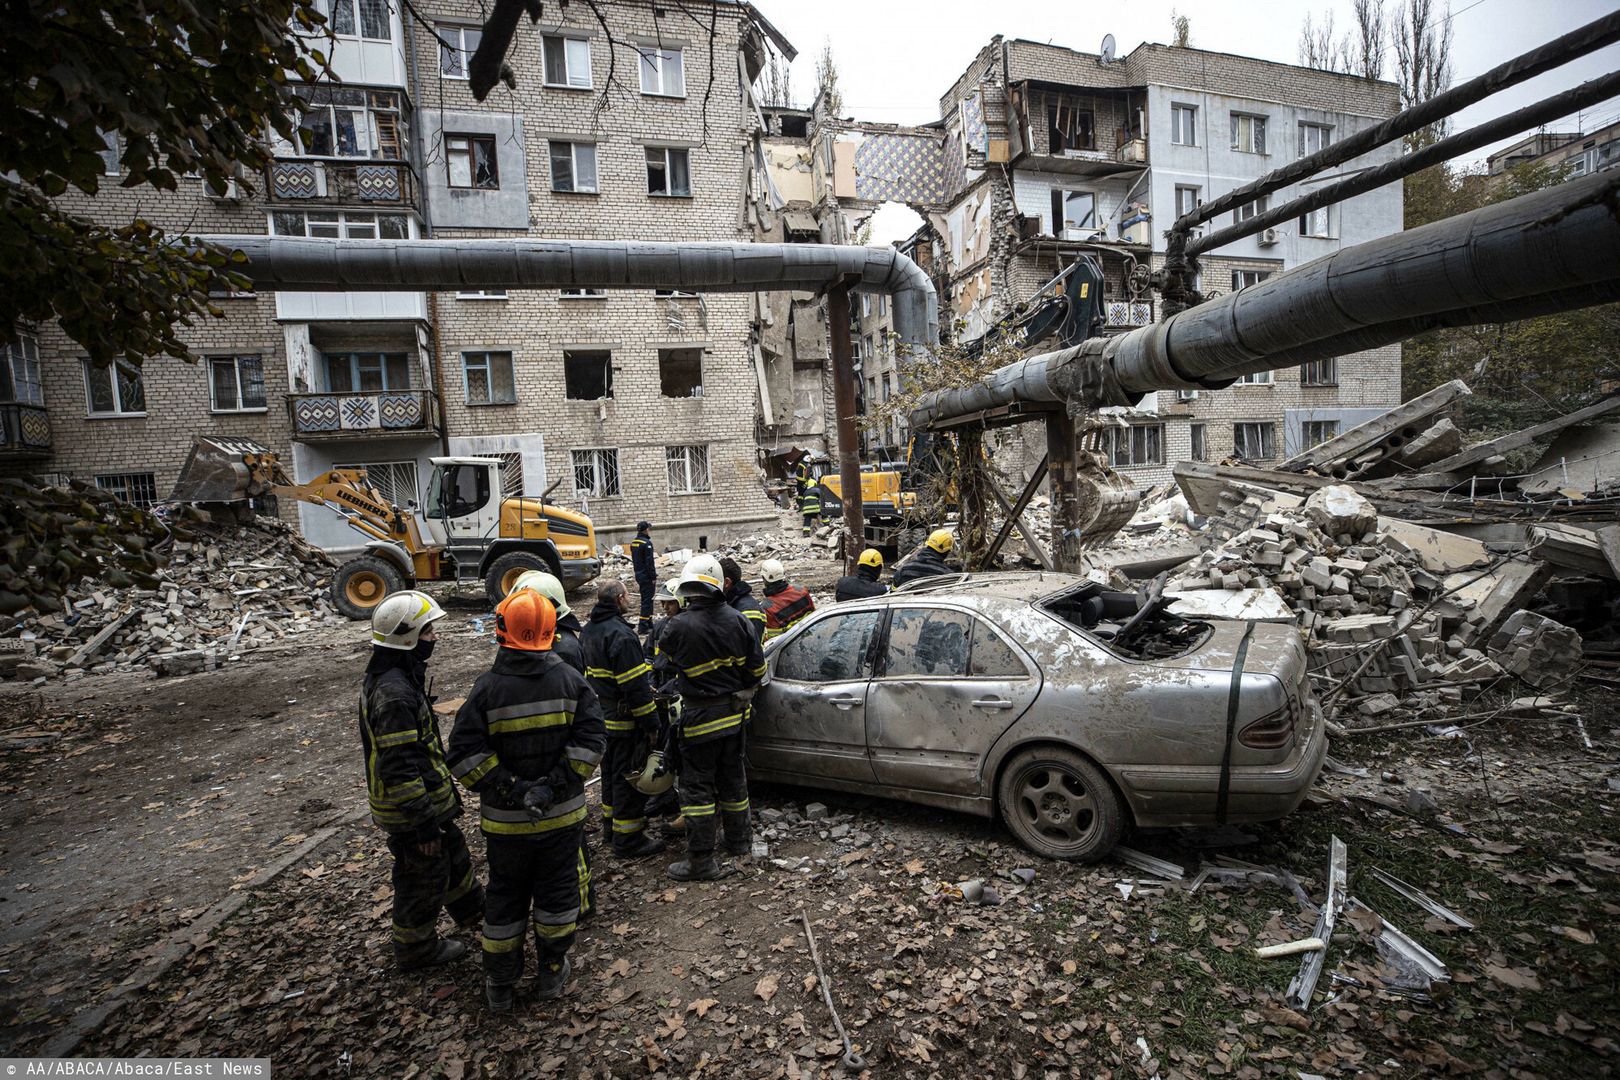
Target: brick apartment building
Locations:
point(629, 404)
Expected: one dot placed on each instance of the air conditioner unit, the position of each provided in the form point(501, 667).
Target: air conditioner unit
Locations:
point(1081, 234)
point(231, 194)
point(1186, 395)
point(1268, 237)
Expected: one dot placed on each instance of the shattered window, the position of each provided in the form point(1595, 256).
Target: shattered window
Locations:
point(1073, 210)
point(680, 373)
point(1254, 441)
point(1199, 450)
point(992, 657)
point(488, 377)
point(471, 161)
point(831, 650)
point(587, 374)
point(668, 171)
point(1139, 444)
point(456, 46)
point(1317, 432)
point(927, 642)
point(114, 389)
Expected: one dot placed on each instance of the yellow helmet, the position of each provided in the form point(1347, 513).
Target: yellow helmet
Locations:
point(941, 541)
point(871, 557)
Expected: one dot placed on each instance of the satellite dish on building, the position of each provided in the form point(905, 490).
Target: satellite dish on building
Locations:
point(1108, 49)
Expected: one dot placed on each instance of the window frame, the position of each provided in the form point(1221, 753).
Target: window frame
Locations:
point(1060, 197)
point(668, 166)
point(573, 167)
point(118, 412)
point(356, 359)
point(1324, 214)
point(657, 57)
point(607, 372)
point(1311, 372)
point(487, 362)
point(126, 490)
point(344, 219)
point(1198, 442)
point(598, 455)
point(1251, 209)
point(1191, 112)
point(1240, 278)
point(666, 352)
point(1197, 199)
point(1309, 125)
point(584, 292)
point(1305, 427)
point(1151, 456)
point(329, 9)
point(461, 31)
point(22, 353)
point(866, 660)
point(1267, 429)
point(473, 140)
point(688, 458)
point(567, 82)
point(483, 294)
point(418, 496)
point(1255, 378)
point(236, 367)
point(1258, 135)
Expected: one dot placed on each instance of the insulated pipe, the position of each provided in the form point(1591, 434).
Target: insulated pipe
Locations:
point(1549, 251)
point(297, 263)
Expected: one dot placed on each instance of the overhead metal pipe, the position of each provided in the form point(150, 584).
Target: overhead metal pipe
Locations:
point(1548, 251)
point(1542, 112)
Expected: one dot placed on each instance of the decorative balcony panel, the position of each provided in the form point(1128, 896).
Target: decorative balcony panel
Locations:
point(371, 183)
point(374, 414)
point(1129, 313)
point(25, 430)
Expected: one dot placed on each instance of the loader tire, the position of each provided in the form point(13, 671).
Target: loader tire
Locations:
point(361, 583)
point(504, 572)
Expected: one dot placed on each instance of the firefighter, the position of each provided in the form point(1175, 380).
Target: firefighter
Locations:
point(527, 738)
point(664, 805)
point(643, 561)
point(801, 475)
point(785, 604)
point(929, 561)
point(740, 595)
point(810, 505)
point(864, 581)
point(566, 646)
point(621, 676)
point(718, 663)
point(412, 797)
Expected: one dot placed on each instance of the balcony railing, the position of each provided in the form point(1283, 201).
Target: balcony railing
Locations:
point(317, 181)
point(25, 430)
point(1128, 313)
point(369, 415)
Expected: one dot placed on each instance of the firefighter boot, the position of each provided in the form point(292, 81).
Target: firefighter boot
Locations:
point(699, 864)
point(553, 977)
point(638, 845)
point(499, 996)
point(446, 951)
point(738, 831)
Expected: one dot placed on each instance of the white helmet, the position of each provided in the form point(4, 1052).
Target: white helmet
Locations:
point(771, 571)
point(546, 585)
point(700, 575)
point(399, 620)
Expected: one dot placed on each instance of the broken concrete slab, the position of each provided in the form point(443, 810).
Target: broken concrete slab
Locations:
point(1480, 452)
point(1362, 449)
point(1541, 651)
point(1570, 547)
point(1255, 605)
point(1584, 459)
point(1339, 510)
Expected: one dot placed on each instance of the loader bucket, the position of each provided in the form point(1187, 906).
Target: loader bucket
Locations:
point(226, 471)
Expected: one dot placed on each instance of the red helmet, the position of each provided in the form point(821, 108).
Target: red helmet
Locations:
point(525, 621)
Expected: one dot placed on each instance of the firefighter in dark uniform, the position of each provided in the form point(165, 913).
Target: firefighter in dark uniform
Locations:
point(643, 560)
point(785, 604)
point(719, 663)
point(566, 645)
point(864, 581)
point(412, 797)
point(621, 676)
point(665, 806)
point(527, 738)
point(810, 505)
point(801, 476)
point(929, 561)
point(740, 595)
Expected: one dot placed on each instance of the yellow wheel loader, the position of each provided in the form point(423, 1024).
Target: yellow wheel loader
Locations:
point(468, 529)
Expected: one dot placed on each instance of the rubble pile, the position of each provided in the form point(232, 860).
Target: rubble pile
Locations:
point(227, 589)
point(1405, 613)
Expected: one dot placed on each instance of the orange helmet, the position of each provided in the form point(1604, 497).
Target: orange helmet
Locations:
point(525, 621)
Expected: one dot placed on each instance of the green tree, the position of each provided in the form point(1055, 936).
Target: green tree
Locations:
point(174, 88)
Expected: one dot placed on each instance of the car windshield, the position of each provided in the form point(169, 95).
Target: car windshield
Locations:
point(1118, 621)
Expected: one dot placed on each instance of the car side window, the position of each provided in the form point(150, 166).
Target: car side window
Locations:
point(832, 650)
point(927, 641)
point(992, 657)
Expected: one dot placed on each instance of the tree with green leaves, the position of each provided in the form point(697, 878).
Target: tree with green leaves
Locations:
point(177, 88)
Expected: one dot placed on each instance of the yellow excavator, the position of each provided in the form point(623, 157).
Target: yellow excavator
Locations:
point(467, 530)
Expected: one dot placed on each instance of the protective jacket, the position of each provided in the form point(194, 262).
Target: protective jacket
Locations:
point(618, 671)
point(407, 780)
point(810, 500)
point(642, 558)
point(530, 717)
point(566, 643)
point(742, 599)
point(717, 659)
point(862, 583)
point(926, 563)
point(785, 605)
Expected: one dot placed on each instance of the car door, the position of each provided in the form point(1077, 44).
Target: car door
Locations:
point(947, 684)
point(810, 719)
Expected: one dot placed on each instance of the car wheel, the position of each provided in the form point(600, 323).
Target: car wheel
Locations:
point(1060, 805)
point(361, 584)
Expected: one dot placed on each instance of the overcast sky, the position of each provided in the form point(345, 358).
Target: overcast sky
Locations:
point(896, 57)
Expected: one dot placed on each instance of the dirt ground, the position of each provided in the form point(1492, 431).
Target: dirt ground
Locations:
point(161, 797)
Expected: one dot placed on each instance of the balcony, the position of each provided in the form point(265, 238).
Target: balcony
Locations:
point(370, 415)
point(316, 182)
point(1124, 314)
point(25, 431)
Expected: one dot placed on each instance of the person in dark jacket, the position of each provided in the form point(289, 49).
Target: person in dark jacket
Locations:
point(740, 595)
point(643, 560)
point(526, 739)
point(785, 604)
point(864, 581)
point(621, 676)
point(566, 646)
point(719, 664)
point(929, 561)
point(810, 505)
point(665, 806)
point(408, 784)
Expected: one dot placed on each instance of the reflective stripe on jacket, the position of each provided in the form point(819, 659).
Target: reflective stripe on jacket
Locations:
point(618, 671)
point(716, 654)
point(784, 607)
point(407, 781)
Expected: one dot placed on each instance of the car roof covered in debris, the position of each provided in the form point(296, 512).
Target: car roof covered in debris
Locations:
point(1028, 586)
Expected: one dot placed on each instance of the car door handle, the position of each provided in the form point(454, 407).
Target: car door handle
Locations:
point(992, 703)
point(845, 701)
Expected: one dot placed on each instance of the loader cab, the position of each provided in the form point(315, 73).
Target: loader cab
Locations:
point(463, 501)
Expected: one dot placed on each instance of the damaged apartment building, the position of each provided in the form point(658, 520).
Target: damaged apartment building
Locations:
point(1043, 154)
point(627, 119)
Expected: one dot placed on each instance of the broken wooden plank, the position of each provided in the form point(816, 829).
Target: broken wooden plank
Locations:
point(1480, 451)
point(93, 646)
point(1303, 988)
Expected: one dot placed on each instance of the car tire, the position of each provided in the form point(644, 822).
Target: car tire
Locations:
point(507, 569)
point(1060, 805)
point(361, 584)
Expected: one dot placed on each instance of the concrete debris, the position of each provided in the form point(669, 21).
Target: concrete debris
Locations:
point(1256, 605)
point(1339, 511)
point(228, 590)
point(1541, 651)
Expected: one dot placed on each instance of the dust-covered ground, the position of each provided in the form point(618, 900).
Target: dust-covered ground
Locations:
point(161, 797)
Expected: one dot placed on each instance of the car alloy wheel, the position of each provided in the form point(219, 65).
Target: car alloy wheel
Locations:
point(1060, 805)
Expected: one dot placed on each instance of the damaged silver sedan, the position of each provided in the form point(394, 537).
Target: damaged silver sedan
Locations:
point(1067, 710)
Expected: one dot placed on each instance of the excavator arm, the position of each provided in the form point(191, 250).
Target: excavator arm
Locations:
point(348, 493)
